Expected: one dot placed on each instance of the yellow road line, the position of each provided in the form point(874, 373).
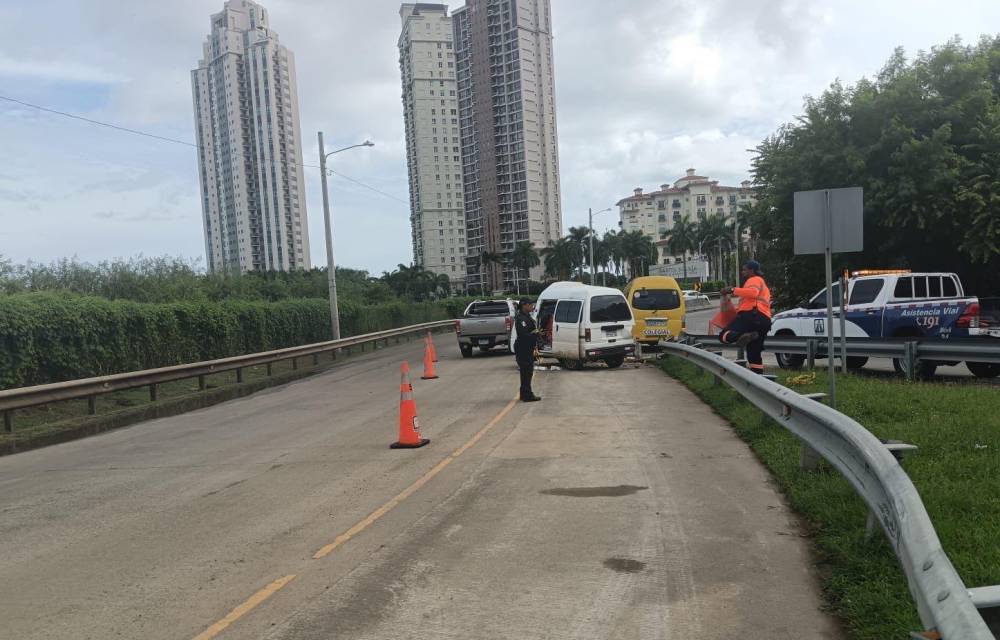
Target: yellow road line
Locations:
point(410, 490)
point(244, 608)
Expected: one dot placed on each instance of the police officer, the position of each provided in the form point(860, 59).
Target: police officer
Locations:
point(753, 316)
point(524, 347)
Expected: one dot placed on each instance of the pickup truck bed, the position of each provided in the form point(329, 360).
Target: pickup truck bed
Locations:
point(485, 324)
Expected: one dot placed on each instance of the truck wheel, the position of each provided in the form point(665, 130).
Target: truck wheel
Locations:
point(466, 350)
point(983, 369)
point(856, 362)
point(572, 365)
point(789, 360)
point(614, 363)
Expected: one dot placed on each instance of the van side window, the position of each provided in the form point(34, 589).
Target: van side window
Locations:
point(904, 288)
point(950, 290)
point(569, 311)
point(920, 287)
point(609, 309)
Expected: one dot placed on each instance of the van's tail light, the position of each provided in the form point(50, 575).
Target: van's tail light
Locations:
point(458, 327)
point(586, 335)
point(508, 324)
point(970, 317)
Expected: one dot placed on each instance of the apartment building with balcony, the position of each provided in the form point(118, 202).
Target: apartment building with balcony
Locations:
point(433, 157)
point(509, 141)
point(249, 146)
point(693, 196)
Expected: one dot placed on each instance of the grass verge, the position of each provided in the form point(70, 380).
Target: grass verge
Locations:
point(957, 428)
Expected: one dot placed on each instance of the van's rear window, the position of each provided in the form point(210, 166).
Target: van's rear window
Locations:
point(609, 309)
point(655, 299)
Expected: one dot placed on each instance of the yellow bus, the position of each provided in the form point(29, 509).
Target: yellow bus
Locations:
point(658, 308)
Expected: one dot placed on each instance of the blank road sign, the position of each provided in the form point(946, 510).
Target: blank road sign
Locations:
point(846, 220)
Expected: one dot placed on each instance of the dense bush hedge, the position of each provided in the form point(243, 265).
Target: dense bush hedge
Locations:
point(51, 337)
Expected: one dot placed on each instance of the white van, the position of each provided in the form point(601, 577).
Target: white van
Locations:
point(579, 323)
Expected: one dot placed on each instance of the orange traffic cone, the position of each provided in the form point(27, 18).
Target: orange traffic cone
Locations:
point(430, 345)
point(409, 425)
point(429, 372)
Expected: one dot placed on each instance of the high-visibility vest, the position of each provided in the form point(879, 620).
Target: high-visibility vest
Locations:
point(754, 294)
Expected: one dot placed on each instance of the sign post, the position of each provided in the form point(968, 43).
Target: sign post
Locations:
point(830, 221)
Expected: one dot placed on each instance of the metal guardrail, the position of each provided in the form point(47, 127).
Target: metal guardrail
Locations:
point(943, 601)
point(910, 349)
point(90, 388)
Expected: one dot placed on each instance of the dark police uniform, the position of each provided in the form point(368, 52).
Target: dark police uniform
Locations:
point(524, 351)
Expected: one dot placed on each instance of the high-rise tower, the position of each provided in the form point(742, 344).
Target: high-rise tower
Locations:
point(430, 110)
point(507, 118)
point(250, 149)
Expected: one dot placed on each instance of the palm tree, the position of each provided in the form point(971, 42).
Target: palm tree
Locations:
point(578, 236)
point(613, 244)
point(488, 259)
point(523, 258)
point(715, 231)
point(682, 239)
point(638, 251)
point(560, 258)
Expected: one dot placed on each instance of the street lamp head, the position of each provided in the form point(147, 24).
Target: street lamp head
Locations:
point(368, 143)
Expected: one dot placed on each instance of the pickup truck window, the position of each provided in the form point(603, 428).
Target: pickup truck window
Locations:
point(934, 286)
point(949, 288)
point(904, 288)
point(569, 311)
point(866, 291)
point(609, 309)
point(819, 300)
point(489, 309)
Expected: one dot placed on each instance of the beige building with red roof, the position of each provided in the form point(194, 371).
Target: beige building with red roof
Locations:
point(694, 196)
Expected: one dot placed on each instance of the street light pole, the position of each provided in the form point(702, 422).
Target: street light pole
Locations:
point(590, 225)
point(331, 267)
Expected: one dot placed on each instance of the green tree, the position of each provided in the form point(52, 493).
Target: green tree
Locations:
point(922, 139)
point(560, 258)
point(524, 258)
point(682, 239)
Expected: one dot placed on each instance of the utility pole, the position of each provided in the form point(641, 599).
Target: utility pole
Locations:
point(331, 267)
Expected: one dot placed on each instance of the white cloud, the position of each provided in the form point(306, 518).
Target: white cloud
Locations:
point(645, 89)
point(58, 71)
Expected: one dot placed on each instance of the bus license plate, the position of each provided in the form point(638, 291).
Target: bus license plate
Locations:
point(657, 332)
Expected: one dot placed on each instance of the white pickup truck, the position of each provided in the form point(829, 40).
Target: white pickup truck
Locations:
point(891, 304)
point(485, 324)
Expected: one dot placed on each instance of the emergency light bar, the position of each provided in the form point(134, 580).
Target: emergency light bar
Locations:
point(878, 272)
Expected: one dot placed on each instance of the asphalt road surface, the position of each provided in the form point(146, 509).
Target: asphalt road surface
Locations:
point(618, 507)
point(697, 322)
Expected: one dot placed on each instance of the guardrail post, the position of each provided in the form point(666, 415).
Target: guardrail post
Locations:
point(268, 367)
point(153, 393)
point(8, 421)
point(295, 364)
point(201, 383)
point(811, 353)
point(315, 359)
point(239, 375)
point(741, 354)
point(91, 405)
point(910, 358)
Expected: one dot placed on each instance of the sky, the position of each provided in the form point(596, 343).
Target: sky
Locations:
point(644, 90)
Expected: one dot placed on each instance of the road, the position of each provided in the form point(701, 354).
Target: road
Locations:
point(618, 507)
point(697, 323)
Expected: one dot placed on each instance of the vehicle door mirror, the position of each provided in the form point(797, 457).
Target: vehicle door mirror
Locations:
point(803, 304)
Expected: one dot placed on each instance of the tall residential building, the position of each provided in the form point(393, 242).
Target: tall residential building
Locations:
point(250, 151)
point(692, 196)
point(507, 115)
point(430, 108)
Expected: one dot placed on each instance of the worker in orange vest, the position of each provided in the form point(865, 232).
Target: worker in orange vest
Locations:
point(753, 315)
